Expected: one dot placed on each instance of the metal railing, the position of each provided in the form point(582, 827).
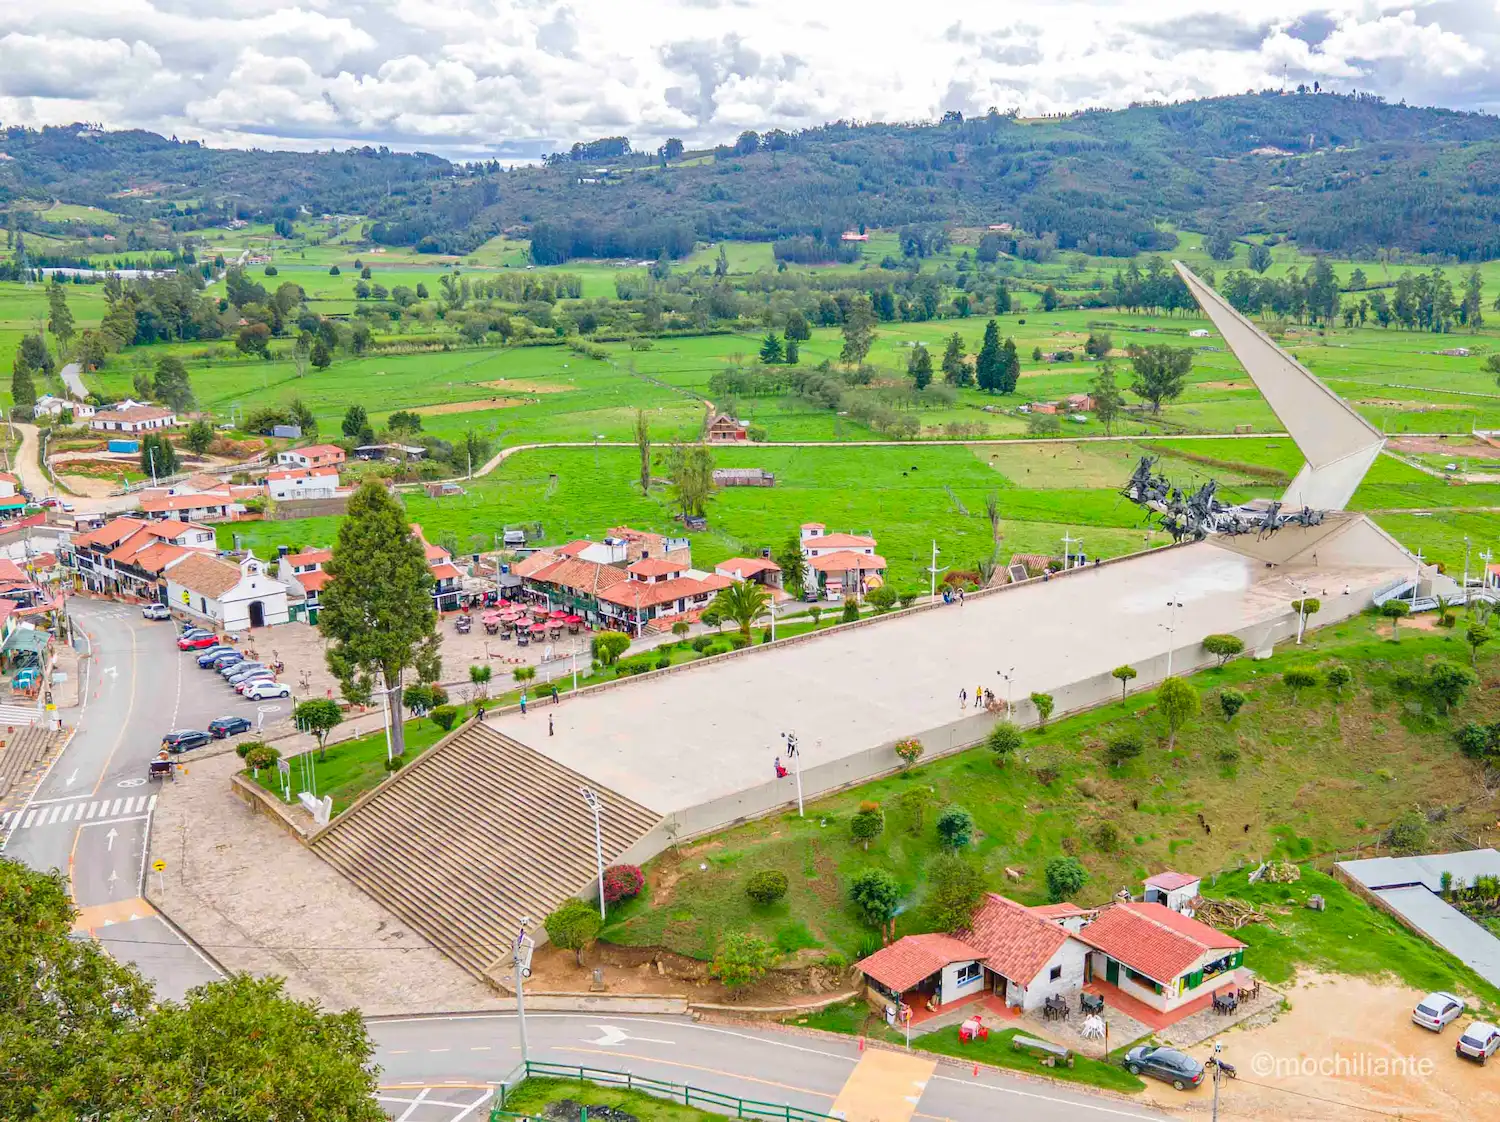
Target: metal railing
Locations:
point(716, 1101)
point(1406, 589)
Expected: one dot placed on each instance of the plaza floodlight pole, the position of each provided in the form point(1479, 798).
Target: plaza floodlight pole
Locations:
point(934, 570)
point(796, 757)
point(1467, 546)
point(1486, 557)
point(1010, 678)
point(1301, 615)
point(1171, 626)
point(592, 800)
point(522, 960)
point(151, 452)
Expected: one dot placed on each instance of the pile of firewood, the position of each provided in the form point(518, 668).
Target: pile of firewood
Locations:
point(1227, 914)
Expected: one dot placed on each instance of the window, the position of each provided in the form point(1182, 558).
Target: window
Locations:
point(969, 972)
point(1055, 974)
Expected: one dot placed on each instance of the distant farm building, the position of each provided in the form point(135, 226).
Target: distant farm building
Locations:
point(743, 477)
point(724, 429)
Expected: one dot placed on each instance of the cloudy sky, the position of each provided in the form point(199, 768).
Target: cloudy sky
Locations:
point(470, 78)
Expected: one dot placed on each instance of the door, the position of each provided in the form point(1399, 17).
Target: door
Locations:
point(1111, 971)
point(1088, 968)
point(257, 614)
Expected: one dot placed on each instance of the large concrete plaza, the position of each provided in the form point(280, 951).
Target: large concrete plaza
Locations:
point(699, 743)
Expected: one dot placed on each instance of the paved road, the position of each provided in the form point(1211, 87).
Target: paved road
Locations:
point(91, 816)
point(72, 376)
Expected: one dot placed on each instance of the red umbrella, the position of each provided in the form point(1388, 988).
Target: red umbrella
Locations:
point(573, 619)
point(538, 628)
point(490, 617)
point(558, 613)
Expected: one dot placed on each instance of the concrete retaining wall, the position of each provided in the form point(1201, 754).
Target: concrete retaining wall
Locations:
point(267, 804)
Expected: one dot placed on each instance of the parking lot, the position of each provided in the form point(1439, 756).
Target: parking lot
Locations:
point(206, 696)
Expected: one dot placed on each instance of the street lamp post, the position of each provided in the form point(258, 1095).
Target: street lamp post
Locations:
point(1171, 626)
point(522, 960)
point(934, 570)
point(592, 800)
point(1301, 615)
point(1010, 680)
point(795, 756)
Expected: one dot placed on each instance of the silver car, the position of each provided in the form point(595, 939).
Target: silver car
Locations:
point(1479, 1042)
point(1436, 1010)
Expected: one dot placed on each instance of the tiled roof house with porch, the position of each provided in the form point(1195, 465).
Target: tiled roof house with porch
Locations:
point(1154, 963)
point(840, 564)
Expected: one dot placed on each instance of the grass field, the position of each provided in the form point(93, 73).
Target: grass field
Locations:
point(1306, 778)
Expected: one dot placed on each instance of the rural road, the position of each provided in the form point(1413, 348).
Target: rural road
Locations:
point(91, 817)
point(72, 376)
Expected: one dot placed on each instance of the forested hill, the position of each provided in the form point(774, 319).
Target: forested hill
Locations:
point(1346, 173)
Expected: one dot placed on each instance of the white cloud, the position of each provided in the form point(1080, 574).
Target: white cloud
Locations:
point(521, 77)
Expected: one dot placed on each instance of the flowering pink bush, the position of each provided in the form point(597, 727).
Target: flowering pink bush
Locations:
point(623, 882)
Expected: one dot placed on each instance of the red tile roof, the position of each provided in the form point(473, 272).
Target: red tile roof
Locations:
point(185, 502)
point(655, 567)
point(531, 566)
point(746, 566)
point(638, 594)
point(913, 957)
point(10, 571)
point(588, 577)
point(1012, 939)
point(1154, 940)
point(155, 558)
point(314, 581)
point(840, 541)
point(110, 534)
point(843, 560)
point(303, 473)
point(1167, 880)
point(574, 548)
point(310, 557)
point(1059, 911)
point(445, 570)
point(317, 451)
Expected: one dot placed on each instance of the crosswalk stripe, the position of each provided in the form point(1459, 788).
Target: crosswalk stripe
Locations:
point(51, 818)
point(93, 809)
point(114, 807)
point(30, 814)
point(68, 812)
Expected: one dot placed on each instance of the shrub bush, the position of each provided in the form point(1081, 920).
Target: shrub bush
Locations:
point(875, 896)
point(1003, 740)
point(1107, 837)
point(1230, 703)
point(850, 612)
point(1125, 746)
point(955, 827)
point(445, 717)
point(262, 755)
point(738, 641)
point(1066, 877)
point(664, 661)
point(702, 643)
point(910, 750)
point(623, 882)
point(245, 747)
point(867, 824)
point(766, 887)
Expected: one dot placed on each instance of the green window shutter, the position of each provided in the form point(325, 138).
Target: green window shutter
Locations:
point(1195, 979)
point(1239, 958)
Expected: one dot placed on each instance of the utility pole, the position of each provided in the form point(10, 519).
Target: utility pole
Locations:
point(1218, 1047)
point(1010, 681)
point(522, 959)
point(796, 757)
point(1171, 626)
point(1068, 542)
point(1486, 557)
point(934, 570)
point(151, 453)
point(1301, 615)
point(592, 801)
point(1466, 569)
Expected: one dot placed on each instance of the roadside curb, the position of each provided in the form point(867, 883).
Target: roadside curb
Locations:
point(182, 933)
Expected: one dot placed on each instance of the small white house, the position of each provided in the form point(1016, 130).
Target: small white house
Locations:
point(225, 595)
point(303, 483)
point(1172, 890)
point(311, 456)
point(140, 418)
point(54, 407)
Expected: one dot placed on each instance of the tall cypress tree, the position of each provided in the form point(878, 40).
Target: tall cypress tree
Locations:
point(987, 363)
point(1010, 367)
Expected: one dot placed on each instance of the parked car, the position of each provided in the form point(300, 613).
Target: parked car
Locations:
point(184, 739)
point(1436, 1009)
point(1479, 1041)
point(233, 672)
point(51, 501)
point(228, 726)
point(227, 659)
point(156, 611)
point(262, 691)
point(197, 642)
point(206, 658)
point(245, 681)
point(1167, 1064)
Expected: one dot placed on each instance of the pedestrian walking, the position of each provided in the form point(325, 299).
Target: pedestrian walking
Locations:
point(960, 597)
point(479, 712)
point(963, 698)
point(554, 693)
point(523, 703)
point(550, 729)
point(978, 696)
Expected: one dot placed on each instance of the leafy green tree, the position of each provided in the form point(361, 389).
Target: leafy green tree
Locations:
point(1122, 747)
point(794, 567)
point(444, 716)
point(473, 451)
point(797, 328)
point(741, 959)
point(1220, 245)
point(956, 371)
point(1044, 703)
point(318, 716)
point(608, 646)
point(158, 456)
point(850, 612)
point(1231, 701)
point(33, 349)
point(1223, 647)
point(1160, 372)
point(1395, 611)
point(1049, 299)
point(743, 602)
point(1306, 608)
point(199, 436)
point(22, 386)
point(954, 889)
point(919, 366)
point(875, 896)
point(883, 598)
point(1339, 676)
point(1124, 675)
point(1010, 367)
point(321, 357)
point(1177, 701)
point(1109, 402)
point(1260, 257)
point(1066, 877)
point(1098, 345)
point(356, 420)
point(866, 824)
point(988, 369)
point(692, 470)
point(59, 316)
point(793, 355)
point(574, 927)
point(1004, 740)
point(1476, 635)
point(770, 348)
point(377, 615)
point(859, 331)
point(955, 827)
point(1447, 682)
point(254, 339)
point(172, 384)
point(1299, 678)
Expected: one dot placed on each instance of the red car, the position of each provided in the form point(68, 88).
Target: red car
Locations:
point(196, 642)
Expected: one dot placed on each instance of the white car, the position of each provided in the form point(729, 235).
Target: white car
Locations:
point(261, 691)
point(156, 611)
point(1479, 1041)
point(1436, 1010)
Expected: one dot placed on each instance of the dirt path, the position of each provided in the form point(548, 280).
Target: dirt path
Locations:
point(28, 463)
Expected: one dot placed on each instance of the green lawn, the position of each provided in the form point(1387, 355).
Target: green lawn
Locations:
point(533, 1096)
point(1285, 780)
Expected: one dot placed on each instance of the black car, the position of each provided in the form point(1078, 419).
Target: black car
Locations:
point(1167, 1064)
point(183, 739)
point(228, 726)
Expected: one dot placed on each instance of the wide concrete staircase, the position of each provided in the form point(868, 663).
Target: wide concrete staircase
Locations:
point(472, 836)
point(22, 752)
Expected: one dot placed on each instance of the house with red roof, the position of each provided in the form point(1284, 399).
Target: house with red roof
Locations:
point(312, 456)
point(758, 570)
point(1158, 964)
point(840, 564)
point(130, 555)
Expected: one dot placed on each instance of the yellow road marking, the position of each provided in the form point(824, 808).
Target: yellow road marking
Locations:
point(696, 1067)
point(92, 918)
point(884, 1087)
